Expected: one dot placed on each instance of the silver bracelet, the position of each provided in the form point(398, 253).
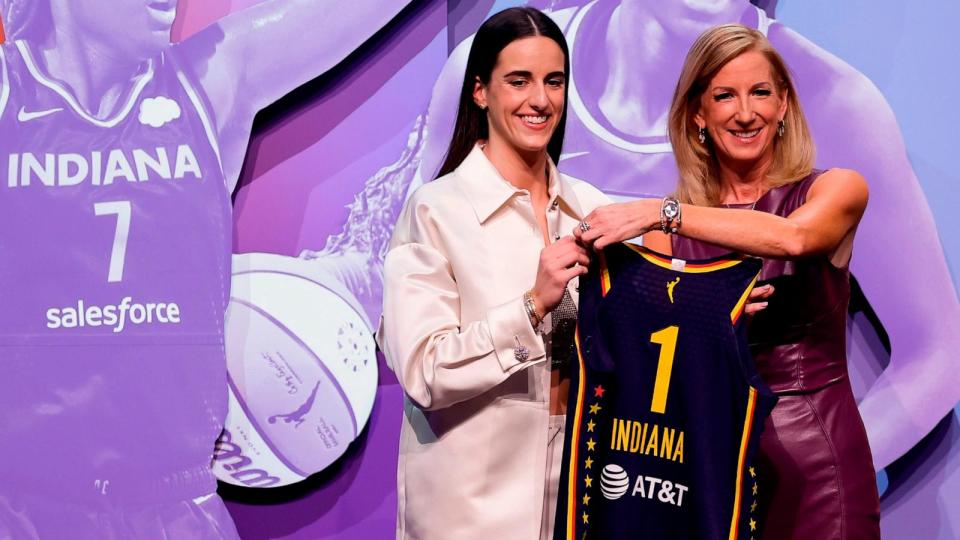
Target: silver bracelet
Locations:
point(531, 309)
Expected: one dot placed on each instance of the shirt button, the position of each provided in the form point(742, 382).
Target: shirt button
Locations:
point(556, 236)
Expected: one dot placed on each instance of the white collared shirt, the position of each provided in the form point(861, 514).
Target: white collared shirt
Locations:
point(465, 249)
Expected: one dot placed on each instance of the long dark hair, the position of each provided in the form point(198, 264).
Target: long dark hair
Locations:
point(493, 36)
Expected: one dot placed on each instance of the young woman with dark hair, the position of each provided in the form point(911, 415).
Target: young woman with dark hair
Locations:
point(480, 298)
point(472, 124)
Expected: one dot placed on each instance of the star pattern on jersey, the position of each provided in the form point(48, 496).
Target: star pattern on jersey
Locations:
point(591, 445)
point(753, 523)
point(594, 439)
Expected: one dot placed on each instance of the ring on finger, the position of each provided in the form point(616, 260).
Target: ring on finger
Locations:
point(584, 226)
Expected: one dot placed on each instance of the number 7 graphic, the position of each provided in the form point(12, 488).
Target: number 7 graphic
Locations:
point(119, 251)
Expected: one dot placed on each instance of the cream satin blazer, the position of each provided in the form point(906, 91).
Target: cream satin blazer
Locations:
point(474, 439)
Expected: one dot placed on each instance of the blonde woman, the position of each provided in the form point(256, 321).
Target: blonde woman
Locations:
point(747, 184)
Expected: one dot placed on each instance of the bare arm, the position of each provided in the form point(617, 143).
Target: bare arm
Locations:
point(251, 58)
point(659, 242)
point(834, 205)
point(899, 262)
point(901, 268)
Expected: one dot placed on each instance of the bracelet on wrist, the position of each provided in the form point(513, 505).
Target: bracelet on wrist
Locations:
point(531, 308)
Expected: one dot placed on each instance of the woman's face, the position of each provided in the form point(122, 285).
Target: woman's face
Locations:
point(741, 109)
point(525, 96)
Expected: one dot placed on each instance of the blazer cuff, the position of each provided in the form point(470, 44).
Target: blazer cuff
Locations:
point(514, 338)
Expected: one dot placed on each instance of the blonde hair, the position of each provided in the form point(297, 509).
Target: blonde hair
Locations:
point(699, 181)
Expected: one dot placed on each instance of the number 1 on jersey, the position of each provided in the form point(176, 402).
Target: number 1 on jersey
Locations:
point(667, 339)
point(119, 251)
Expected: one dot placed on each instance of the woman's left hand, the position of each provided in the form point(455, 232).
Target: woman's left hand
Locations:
point(618, 222)
point(757, 300)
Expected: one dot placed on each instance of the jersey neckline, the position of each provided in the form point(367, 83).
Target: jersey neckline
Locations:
point(688, 266)
point(140, 82)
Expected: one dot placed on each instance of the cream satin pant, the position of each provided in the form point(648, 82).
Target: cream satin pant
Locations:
point(554, 463)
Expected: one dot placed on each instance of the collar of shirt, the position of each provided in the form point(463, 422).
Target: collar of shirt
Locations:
point(488, 191)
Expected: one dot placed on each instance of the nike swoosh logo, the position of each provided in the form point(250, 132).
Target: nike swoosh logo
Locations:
point(25, 116)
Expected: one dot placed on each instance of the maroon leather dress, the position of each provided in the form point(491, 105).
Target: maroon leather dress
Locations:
point(815, 472)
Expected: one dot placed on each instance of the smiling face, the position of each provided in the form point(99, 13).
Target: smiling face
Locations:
point(524, 98)
point(740, 110)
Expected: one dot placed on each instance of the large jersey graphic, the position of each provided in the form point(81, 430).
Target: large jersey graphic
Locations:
point(666, 407)
point(115, 255)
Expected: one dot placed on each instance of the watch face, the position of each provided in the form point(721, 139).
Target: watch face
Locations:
point(671, 209)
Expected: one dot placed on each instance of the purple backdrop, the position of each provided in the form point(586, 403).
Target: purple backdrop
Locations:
point(329, 165)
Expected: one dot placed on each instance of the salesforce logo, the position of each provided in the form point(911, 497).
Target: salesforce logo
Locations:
point(614, 482)
point(116, 316)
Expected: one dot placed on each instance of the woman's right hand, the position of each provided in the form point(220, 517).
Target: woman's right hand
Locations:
point(618, 222)
point(560, 262)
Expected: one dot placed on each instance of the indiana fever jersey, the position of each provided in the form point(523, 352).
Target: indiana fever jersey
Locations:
point(666, 409)
point(114, 278)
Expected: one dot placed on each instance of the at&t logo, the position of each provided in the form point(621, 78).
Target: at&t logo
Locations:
point(615, 483)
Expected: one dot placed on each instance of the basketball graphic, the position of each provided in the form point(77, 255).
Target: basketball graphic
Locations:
point(302, 372)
